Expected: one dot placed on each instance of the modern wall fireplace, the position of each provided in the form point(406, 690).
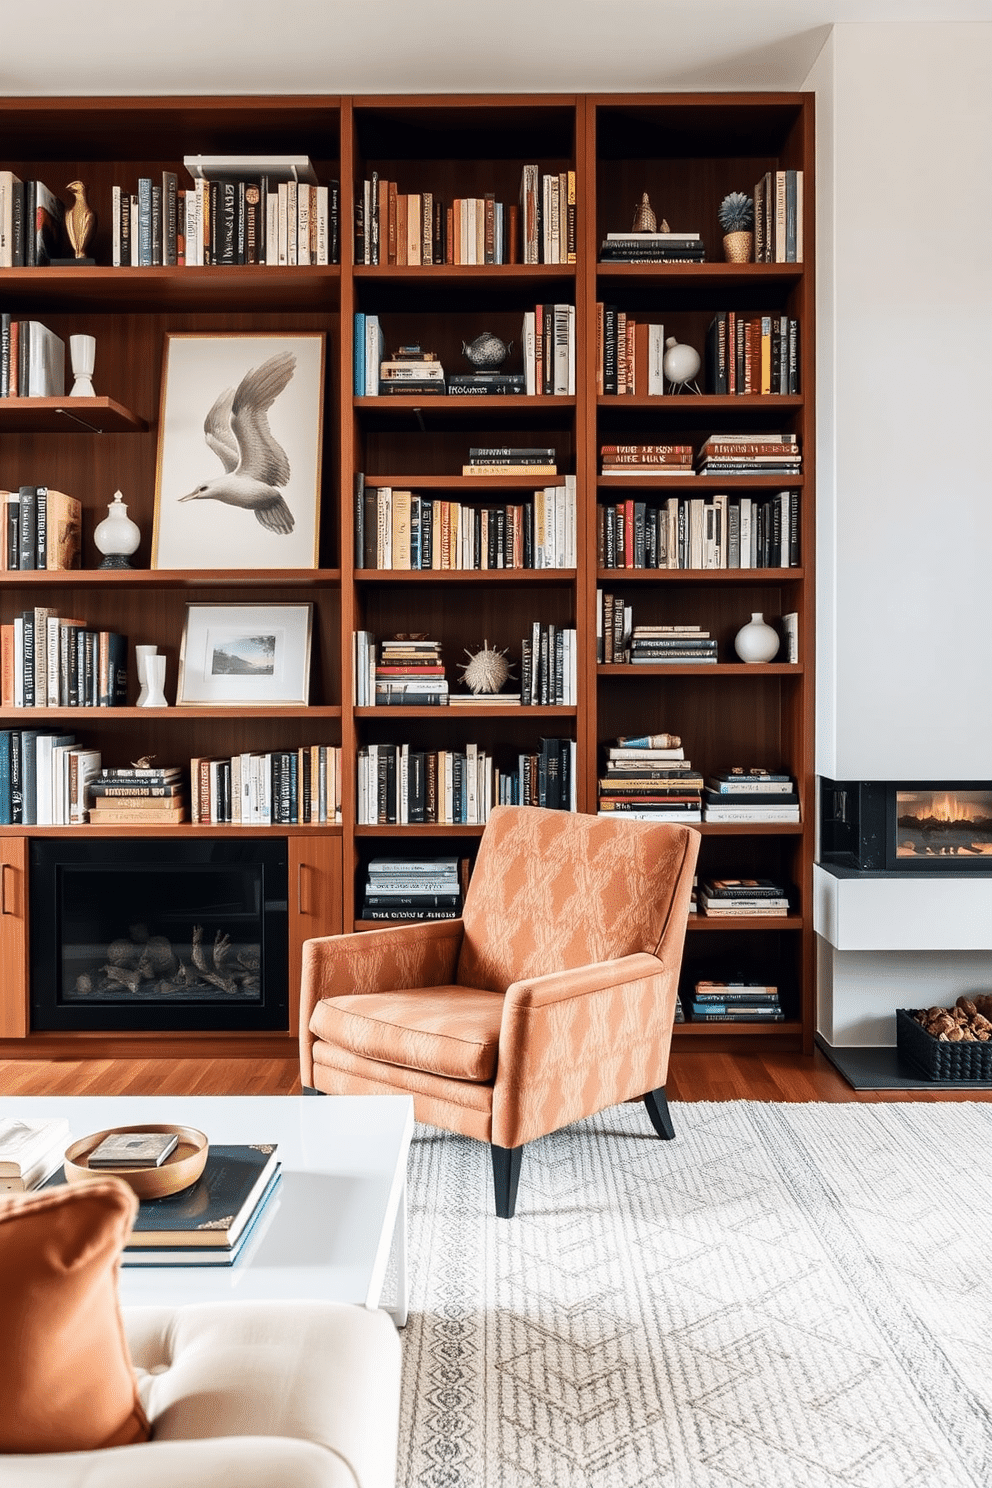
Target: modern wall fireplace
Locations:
point(921, 826)
point(152, 934)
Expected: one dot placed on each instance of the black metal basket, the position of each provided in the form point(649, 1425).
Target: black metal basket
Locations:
point(934, 1060)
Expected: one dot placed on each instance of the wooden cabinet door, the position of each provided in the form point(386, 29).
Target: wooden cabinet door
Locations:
point(314, 902)
point(13, 937)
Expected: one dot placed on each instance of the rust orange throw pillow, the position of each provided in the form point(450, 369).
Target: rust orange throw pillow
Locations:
point(66, 1380)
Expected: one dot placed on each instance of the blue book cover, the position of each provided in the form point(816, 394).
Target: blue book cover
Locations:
point(29, 777)
point(5, 801)
point(359, 354)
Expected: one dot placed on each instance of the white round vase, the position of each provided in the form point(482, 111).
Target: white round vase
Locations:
point(756, 642)
point(117, 537)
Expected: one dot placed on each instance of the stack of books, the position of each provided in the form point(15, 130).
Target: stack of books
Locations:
point(778, 217)
point(486, 384)
point(155, 796)
point(742, 454)
point(756, 354)
point(414, 889)
point(671, 645)
point(753, 795)
point(410, 371)
point(655, 460)
point(30, 1151)
point(748, 897)
point(39, 528)
point(652, 247)
point(218, 1220)
point(734, 1002)
point(648, 778)
point(410, 674)
point(510, 459)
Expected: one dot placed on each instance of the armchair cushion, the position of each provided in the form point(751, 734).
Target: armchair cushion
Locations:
point(66, 1379)
point(451, 1031)
point(552, 891)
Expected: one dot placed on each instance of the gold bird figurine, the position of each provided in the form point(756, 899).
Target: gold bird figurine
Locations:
point(80, 219)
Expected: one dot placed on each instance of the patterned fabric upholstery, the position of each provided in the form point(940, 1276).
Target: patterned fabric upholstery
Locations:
point(452, 1031)
point(552, 890)
point(551, 999)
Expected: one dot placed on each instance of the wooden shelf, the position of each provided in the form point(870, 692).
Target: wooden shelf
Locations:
point(789, 1029)
point(66, 415)
point(697, 483)
point(468, 710)
point(701, 669)
point(746, 922)
point(24, 717)
point(179, 578)
point(109, 291)
point(432, 576)
point(181, 829)
point(465, 484)
point(700, 576)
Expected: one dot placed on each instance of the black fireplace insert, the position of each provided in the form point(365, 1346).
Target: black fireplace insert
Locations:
point(150, 934)
point(914, 826)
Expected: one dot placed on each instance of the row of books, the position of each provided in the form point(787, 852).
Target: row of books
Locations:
point(279, 787)
point(32, 218)
point(629, 354)
point(399, 529)
point(414, 889)
point(649, 779)
point(44, 778)
point(399, 785)
point(418, 229)
point(549, 667)
point(39, 528)
point(778, 217)
point(693, 532)
point(48, 661)
point(752, 354)
point(32, 359)
point(733, 1002)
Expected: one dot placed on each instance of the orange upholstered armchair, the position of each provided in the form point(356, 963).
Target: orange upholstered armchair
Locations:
point(551, 998)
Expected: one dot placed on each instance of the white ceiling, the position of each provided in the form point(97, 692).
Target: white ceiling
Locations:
point(69, 47)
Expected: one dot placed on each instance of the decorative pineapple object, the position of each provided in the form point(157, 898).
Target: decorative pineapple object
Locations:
point(736, 215)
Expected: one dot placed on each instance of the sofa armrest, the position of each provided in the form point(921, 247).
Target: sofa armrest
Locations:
point(225, 1462)
point(573, 1042)
point(421, 955)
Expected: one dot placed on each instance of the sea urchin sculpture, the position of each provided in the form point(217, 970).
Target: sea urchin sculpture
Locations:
point(486, 670)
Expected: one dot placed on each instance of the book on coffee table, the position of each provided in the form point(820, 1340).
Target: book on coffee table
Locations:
point(213, 1211)
point(246, 1244)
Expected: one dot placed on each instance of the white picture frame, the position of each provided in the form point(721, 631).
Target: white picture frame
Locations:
point(243, 655)
point(238, 476)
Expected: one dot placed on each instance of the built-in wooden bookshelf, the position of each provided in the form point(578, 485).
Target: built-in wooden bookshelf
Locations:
point(687, 151)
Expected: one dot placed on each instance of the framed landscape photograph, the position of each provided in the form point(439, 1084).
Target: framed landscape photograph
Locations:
point(252, 656)
point(237, 483)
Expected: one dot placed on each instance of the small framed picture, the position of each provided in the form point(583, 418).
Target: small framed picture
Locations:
point(245, 655)
point(239, 451)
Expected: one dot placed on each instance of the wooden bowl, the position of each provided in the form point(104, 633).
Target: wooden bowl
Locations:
point(181, 1168)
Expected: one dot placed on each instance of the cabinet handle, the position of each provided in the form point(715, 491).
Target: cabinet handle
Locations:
point(3, 889)
point(300, 909)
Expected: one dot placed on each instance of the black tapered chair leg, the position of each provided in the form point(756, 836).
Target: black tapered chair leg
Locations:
point(656, 1103)
point(506, 1176)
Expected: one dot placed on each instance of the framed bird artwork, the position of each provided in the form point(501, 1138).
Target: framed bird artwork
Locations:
point(239, 454)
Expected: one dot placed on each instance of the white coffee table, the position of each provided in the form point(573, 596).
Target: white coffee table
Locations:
point(339, 1209)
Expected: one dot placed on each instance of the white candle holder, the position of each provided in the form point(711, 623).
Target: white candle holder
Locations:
point(82, 353)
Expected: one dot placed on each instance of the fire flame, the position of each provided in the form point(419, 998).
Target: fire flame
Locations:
point(945, 808)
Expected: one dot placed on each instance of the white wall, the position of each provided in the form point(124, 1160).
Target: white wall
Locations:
point(904, 236)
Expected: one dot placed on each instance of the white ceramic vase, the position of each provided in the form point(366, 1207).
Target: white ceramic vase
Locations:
point(155, 683)
point(756, 641)
point(141, 655)
point(82, 353)
point(117, 537)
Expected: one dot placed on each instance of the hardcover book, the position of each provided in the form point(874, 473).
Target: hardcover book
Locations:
point(213, 1211)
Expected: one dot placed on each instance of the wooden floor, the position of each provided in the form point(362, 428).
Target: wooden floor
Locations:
point(703, 1076)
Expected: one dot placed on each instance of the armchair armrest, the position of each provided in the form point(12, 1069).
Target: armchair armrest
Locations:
point(420, 955)
point(574, 1042)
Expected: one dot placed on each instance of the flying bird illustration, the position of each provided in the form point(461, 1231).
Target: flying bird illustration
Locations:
point(255, 466)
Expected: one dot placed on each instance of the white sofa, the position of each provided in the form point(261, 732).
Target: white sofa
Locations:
point(248, 1395)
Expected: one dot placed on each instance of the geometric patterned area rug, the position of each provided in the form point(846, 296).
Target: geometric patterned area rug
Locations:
point(786, 1296)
